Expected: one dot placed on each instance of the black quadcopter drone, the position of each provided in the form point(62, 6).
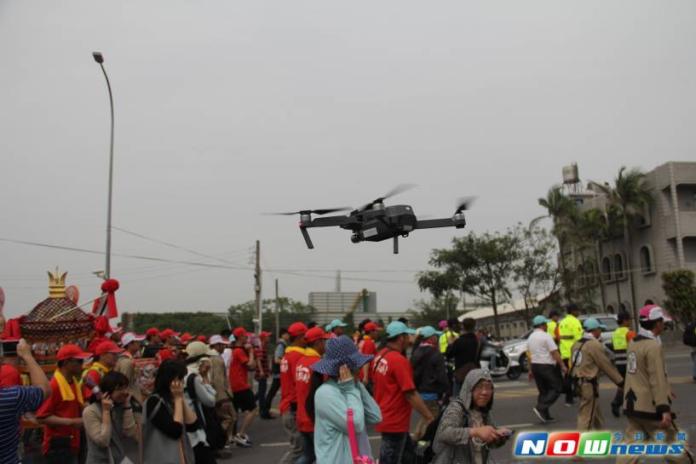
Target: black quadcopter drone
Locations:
point(375, 222)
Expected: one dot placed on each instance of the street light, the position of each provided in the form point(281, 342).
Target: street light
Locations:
point(99, 58)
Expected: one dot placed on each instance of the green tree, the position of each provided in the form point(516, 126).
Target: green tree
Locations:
point(480, 265)
point(243, 315)
point(632, 196)
point(561, 210)
point(535, 271)
point(199, 323)
point(680, 291)
point(433, 311)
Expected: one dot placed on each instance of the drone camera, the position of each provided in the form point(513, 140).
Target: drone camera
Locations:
point(356, 238)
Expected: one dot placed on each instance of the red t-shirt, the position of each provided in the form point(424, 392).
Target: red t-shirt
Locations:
point(239, 370)
point(303, 377)
point(9, 376)
point(367, 346)
point(55, 406)
point(287, 377)
point(392, 376)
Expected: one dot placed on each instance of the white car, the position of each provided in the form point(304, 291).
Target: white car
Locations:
point(517, 348)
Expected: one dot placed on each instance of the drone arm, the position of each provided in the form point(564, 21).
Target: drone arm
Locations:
point(307, 238)
point(434, 223)
point(329, 221)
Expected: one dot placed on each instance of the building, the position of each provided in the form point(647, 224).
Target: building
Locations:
point(663, 238)
point(340, 305)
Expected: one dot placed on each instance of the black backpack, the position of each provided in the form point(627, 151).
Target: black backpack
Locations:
point(424, 447)
point(689, 337)
point(215, 434)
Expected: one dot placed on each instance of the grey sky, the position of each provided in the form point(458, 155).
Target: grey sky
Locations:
point(226, 109)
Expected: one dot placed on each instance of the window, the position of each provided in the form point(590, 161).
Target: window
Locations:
point(606, 269)
point(646, 262)
point(618, 267)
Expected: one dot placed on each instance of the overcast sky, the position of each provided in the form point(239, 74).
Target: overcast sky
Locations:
point(227, 109)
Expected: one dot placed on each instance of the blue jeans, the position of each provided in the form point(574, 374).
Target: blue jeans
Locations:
point(397, 448)
point(308, 457)
point(261, 395)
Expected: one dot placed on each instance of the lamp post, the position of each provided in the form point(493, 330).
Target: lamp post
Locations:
point(99, 58)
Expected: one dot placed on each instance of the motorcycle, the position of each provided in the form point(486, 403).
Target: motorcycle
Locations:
point(498, 363)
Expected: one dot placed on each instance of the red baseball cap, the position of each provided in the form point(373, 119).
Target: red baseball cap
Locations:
point(297, 329)
point(202, 338)
point(240, 332)
point(71, 351)
point(151, 332)
point(166, 333)
point(265, 334)
point(371, 327)
point(314, 334)
point(107, 347)
point(186, 337)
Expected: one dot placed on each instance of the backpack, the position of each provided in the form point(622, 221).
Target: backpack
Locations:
point(424, 448)
point(689, 337)
point(215, 434)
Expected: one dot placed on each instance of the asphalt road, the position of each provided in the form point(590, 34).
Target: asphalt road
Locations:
point(512, 408)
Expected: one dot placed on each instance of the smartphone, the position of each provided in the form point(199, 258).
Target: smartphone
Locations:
point(507, 433)
point(8, 348)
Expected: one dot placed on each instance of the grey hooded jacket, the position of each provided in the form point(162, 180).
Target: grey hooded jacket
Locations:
point(452, 443)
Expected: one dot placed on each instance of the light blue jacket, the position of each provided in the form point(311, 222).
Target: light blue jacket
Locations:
point(331, 403)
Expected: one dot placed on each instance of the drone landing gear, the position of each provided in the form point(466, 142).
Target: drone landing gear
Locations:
point(307, 239)
point(396, 244)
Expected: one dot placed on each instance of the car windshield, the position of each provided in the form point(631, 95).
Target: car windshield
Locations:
point(610, 322)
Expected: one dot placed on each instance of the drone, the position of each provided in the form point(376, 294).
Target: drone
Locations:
point(375, 222)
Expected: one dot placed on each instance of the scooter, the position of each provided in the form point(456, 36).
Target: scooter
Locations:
point(503, 364)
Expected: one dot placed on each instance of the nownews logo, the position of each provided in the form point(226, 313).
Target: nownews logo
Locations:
point(592, 444)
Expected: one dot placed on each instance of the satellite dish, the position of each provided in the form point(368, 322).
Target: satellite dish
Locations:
point(73, 293)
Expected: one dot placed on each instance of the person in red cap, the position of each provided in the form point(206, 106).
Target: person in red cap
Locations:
point(101, 328)
point(186, 338)
point(243, 398)
point(288, 396)
point(368, 346)
point(61, 413)
point(153, 343)
point(105, 358)
point(170, 349)
point(262, 372)
point(316, 340)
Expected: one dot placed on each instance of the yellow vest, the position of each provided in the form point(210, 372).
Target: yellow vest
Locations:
point(444, 340)
point(618, 339)
point(570, 330)
point(551, 328)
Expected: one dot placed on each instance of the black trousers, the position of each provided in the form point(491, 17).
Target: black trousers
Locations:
point(549, 383)
point(619, 396)
point(204, 454)
point(266, 406)
point(568, 384)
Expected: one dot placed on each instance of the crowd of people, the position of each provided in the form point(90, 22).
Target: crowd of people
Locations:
point(103, 405)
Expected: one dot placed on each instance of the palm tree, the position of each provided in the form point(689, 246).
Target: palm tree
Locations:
point(560, 209)
point(593, 225)
point(631, 195)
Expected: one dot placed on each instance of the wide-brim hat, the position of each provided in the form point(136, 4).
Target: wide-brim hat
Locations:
point(339, 351)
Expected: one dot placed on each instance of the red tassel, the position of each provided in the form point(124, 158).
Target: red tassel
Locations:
point(109, 288)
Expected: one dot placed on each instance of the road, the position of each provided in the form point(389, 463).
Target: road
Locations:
point(512, 408)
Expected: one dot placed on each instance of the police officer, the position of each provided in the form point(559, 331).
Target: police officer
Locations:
point(587, 362)
point(552, 325)
point(648, 395)
point(619, 341)
point(570, 331)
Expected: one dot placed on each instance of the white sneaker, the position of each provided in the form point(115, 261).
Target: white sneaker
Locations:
point(241, 441)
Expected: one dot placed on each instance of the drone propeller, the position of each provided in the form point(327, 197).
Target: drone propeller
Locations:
point(464, 204)
point(319, 212)
point(395, 191)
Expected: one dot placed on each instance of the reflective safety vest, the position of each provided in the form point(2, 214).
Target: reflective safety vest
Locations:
point(551, 329)
point(443, 342)
point(570, 330)
point(619, 341)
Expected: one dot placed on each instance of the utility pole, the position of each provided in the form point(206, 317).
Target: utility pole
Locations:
point(277, 312)
point(257, 287)
point(338, 281)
